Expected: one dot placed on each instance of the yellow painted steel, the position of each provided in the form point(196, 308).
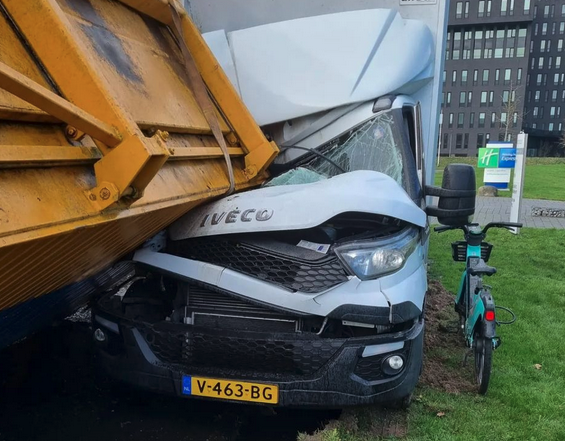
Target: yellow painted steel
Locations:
point(117, 147)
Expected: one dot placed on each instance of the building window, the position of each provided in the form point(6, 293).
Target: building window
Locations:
point(510, 42)
point(481, 10)
point(493, 119)
point(526, 7)
point(503, 7)
point(448, 101)
point(540, 63)
point(546, 11)
point(562, 27)
point(550, 62)
point(544, 29)
point(485, 76)
point(483, 99)
point(507, 76)
point(466, 15)
point(478, 49)
point(555, 79)
point(459, 10)
point(538, 79)
point(456, 53)
point(469, 98)
point(462, 99)
point(467, 45)
point(503, 120)
point(464, 74)
point(466, 141)
point(505, 96)
point(453, 77)
point(537, 96)
point(445, 141)
point(550, 127)
point(475, 77)
point(515, 119)
point(552, 112)
point(546, 96)
point(562, 9)
point(460, 120)
point(458, 141)
point(491, 98)
point(519, 76)
point(482, 117)
point(536, 112)
point(497, 76)
point(558, 62)
point(480, 140)
point(499, 44)
point(450, 125)
point(489, 7)
point(535, 11)
point(542, 46)
point(471, 120)
point(489, 37)
point(443, 77)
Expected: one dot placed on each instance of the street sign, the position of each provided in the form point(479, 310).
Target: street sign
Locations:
point(518, 185)
point(497, 158)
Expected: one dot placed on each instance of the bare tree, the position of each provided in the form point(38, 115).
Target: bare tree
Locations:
point(512, 109)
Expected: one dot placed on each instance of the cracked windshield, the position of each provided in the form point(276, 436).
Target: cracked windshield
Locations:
point(374, 145)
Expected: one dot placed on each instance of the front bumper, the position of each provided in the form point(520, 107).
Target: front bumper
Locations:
point(310, 371)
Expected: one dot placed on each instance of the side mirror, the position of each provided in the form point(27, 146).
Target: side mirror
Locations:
point(456, 196)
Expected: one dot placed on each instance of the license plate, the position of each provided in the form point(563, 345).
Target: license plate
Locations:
point(230, 390)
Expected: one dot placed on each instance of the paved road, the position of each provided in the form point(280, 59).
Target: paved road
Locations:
point(498, 209)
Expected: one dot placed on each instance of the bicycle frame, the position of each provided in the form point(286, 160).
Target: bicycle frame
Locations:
point(476, 300)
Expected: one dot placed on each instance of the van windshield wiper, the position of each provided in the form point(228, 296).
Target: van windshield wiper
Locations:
point(321, 155)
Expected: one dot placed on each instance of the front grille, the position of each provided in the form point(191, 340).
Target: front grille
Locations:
point(201, 298)
point(369, 368)
point(193, 349)
point(459, 251)
point(292, 273)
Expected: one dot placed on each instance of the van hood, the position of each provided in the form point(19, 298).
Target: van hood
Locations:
point(302, 206)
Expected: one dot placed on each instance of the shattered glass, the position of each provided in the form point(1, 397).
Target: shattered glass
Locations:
point(374, 145)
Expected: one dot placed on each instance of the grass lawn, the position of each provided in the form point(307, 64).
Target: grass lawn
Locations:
point(544, 179)
point(523, 403)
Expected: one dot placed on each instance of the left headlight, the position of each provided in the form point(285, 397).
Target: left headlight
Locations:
point(372, 259)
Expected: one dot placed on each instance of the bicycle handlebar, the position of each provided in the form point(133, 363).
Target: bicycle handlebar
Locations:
point(465, 228)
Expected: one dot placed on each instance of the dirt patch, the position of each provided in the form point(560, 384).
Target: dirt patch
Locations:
point(444, 347)
point(364, 423)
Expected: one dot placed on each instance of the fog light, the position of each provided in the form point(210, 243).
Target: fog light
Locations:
point(99, 335)
point(395, 362)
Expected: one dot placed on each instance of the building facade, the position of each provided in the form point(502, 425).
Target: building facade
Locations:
point(501, 56)
point(545, 93)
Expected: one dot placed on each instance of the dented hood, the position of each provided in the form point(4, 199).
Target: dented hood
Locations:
point(296, 207)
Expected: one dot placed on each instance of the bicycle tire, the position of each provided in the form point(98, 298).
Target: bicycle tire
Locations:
point(483, 362)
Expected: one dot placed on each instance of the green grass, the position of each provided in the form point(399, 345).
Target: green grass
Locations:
point(543, 180)
point(523, 403)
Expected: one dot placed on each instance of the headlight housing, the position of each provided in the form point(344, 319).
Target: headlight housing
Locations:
point(372, 259)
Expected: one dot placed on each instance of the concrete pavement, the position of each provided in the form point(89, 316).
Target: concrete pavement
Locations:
point(498, 209)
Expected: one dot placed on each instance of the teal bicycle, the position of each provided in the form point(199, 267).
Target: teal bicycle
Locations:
point(474, 302)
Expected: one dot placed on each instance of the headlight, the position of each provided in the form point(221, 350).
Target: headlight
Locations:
point(369, 260)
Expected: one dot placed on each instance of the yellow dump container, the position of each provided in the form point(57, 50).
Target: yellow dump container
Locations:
point(115, 119)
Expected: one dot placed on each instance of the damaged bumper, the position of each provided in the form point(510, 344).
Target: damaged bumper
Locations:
point(309, 371)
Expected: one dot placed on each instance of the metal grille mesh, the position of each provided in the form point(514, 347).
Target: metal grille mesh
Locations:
point(310, 277)
point(195, 349)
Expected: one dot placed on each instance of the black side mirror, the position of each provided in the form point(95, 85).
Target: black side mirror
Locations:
point(456, 196)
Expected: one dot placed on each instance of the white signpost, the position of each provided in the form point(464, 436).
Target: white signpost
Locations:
point(518, 186)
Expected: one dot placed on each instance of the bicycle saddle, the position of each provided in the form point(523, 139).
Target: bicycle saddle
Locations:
point(482, 269)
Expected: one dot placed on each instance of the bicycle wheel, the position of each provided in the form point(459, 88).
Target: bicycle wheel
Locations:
point(483, 361)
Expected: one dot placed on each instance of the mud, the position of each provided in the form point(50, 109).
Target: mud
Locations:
point(444, 347)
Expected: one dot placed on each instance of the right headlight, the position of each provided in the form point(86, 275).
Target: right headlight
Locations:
point(372, 259)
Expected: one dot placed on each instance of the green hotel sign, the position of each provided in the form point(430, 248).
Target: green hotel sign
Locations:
point(488, 158)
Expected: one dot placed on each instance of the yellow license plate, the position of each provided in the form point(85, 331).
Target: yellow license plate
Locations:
point(230, 389)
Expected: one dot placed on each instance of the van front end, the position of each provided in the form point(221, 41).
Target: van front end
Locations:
point(327, 315)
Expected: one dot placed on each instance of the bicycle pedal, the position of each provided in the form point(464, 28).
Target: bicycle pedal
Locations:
point(496, 342)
